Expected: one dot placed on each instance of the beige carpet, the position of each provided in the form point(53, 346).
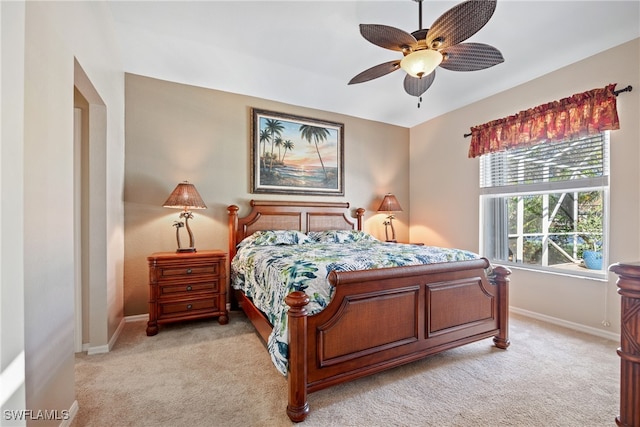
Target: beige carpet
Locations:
point(205, 374)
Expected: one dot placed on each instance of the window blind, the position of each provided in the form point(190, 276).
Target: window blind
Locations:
point(578, 163)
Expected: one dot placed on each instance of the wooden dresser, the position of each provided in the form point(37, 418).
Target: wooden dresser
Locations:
point(186, 286)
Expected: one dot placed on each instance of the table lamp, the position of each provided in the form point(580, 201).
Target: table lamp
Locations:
point(186, 197)
point(390, 205)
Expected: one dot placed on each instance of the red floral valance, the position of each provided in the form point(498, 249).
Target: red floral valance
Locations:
point(579, 115)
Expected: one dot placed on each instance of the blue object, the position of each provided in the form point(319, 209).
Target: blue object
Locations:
point(592, 259)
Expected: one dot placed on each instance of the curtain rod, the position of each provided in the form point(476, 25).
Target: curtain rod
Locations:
point(615, 92)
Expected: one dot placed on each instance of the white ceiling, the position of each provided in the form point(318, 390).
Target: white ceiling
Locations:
point(304, 52)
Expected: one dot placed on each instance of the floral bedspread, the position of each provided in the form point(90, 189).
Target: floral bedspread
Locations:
point(271, 264)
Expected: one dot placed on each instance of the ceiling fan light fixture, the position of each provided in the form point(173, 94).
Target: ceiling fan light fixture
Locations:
point(421, 62)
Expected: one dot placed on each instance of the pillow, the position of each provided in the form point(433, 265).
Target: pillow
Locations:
point(340, 236)
point(275, 237)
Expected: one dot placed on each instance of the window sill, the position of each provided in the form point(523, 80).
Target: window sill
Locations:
point(568, 270)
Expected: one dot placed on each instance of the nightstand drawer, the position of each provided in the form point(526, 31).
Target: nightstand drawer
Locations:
point(188, 307)
point(180, 271)
point(186, 289)
point(187, 286)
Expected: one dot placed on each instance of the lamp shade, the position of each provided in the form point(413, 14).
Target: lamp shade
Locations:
point(421, 62)
point(185, 196)
point(389, 204)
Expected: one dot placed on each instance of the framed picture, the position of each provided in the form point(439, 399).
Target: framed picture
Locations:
point(296, 155)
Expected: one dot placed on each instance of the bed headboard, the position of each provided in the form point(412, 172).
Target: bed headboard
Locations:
point(288, 215)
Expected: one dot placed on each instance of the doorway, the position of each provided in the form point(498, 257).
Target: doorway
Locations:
point(89, 216)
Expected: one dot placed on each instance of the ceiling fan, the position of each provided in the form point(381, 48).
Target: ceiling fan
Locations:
point(426, 49)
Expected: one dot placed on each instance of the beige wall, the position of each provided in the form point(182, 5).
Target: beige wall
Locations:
point(176, 132)
point(47, 38)
point(445, 197)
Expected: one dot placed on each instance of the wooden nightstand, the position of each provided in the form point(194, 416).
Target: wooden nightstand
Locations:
point(186, 286)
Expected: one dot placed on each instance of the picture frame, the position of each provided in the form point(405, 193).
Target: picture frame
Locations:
point(296, 155)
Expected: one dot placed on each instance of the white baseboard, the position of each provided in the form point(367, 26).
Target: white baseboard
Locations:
point(98, 349)
point(73, 411)
point(567, 324)
point(106, 348)
point(136, 318)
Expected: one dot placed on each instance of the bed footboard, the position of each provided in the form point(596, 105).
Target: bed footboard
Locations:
point(379, 319)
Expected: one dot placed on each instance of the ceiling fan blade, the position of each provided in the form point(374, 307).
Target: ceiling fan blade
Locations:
point(459, 23)
point(388, 37)
point(415, 86)
point(375, 72)
point(470, 57)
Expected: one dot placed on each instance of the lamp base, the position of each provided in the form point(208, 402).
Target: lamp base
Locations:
point(185, 250)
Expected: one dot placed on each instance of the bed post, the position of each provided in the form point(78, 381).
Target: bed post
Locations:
point(298, 407)
point(359, 215)
point(233, 225)
point(233, 228)
point(500, 278)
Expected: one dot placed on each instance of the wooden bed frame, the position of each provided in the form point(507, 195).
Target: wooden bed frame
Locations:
point(377, 319)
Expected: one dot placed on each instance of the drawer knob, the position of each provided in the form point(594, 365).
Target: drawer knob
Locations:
point(189, 306)
point(189, 288)
point(188, 271)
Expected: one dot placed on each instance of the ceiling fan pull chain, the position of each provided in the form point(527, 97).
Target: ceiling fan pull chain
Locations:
point(419, 101)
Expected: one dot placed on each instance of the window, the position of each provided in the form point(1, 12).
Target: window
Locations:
point(545, 206)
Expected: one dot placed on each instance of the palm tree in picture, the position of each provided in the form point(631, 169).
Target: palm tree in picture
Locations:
point(275, 128)
point(287, 145)
point(278, 143)
point(316, 135)
point(265, 137)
